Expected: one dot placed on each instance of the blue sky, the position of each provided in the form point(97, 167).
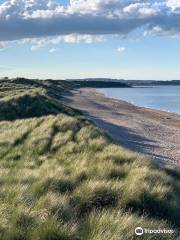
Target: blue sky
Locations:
point(138, 40)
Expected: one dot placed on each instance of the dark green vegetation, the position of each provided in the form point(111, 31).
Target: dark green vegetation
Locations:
point(95, 83)
point(61, 178)
point(108, 82)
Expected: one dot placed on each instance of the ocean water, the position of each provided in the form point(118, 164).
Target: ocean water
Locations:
point(166, 98)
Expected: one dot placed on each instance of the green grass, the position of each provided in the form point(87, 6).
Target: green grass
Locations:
point(61, 178)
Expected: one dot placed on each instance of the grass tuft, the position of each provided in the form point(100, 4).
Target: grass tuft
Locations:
point(61, 178)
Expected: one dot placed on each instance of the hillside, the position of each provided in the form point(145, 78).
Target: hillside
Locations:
point(64, 179)
point(99, 83)
point(109, 82)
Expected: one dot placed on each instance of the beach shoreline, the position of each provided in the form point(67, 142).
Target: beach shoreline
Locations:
point(135, 104)
point(152, 132)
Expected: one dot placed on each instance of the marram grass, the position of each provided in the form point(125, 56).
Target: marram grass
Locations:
point(61, 178)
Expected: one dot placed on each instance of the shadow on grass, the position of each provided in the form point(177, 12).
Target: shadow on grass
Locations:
point(159, 209)
point(22, 98)
point(128, 138)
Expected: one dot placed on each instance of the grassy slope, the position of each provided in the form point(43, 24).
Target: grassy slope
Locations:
point(61, 178)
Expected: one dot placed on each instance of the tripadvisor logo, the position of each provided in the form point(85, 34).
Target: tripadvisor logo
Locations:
point(139, 231)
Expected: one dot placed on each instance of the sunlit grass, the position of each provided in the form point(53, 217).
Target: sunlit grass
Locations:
point(63, 178)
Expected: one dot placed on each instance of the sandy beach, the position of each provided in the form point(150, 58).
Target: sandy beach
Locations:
point(148, 131)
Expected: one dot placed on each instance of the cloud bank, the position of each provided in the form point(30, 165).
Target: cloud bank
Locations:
point(20, 19)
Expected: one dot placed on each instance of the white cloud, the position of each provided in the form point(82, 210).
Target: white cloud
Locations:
point(53, 50)
point(38, 43)
point(121, 49)
point(4, 46)
point(75, 38)
point(159, 31)
point(78, 20)
point(174, 4)
point(141, 9)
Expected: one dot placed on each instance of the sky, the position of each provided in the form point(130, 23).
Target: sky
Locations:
point(59, 39)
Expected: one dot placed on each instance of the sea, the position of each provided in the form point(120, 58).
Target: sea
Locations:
point(166, 98)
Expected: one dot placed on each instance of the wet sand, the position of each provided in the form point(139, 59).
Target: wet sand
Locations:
point(148, 131)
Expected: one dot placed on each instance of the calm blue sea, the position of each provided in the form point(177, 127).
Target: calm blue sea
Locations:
point(165, 98)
